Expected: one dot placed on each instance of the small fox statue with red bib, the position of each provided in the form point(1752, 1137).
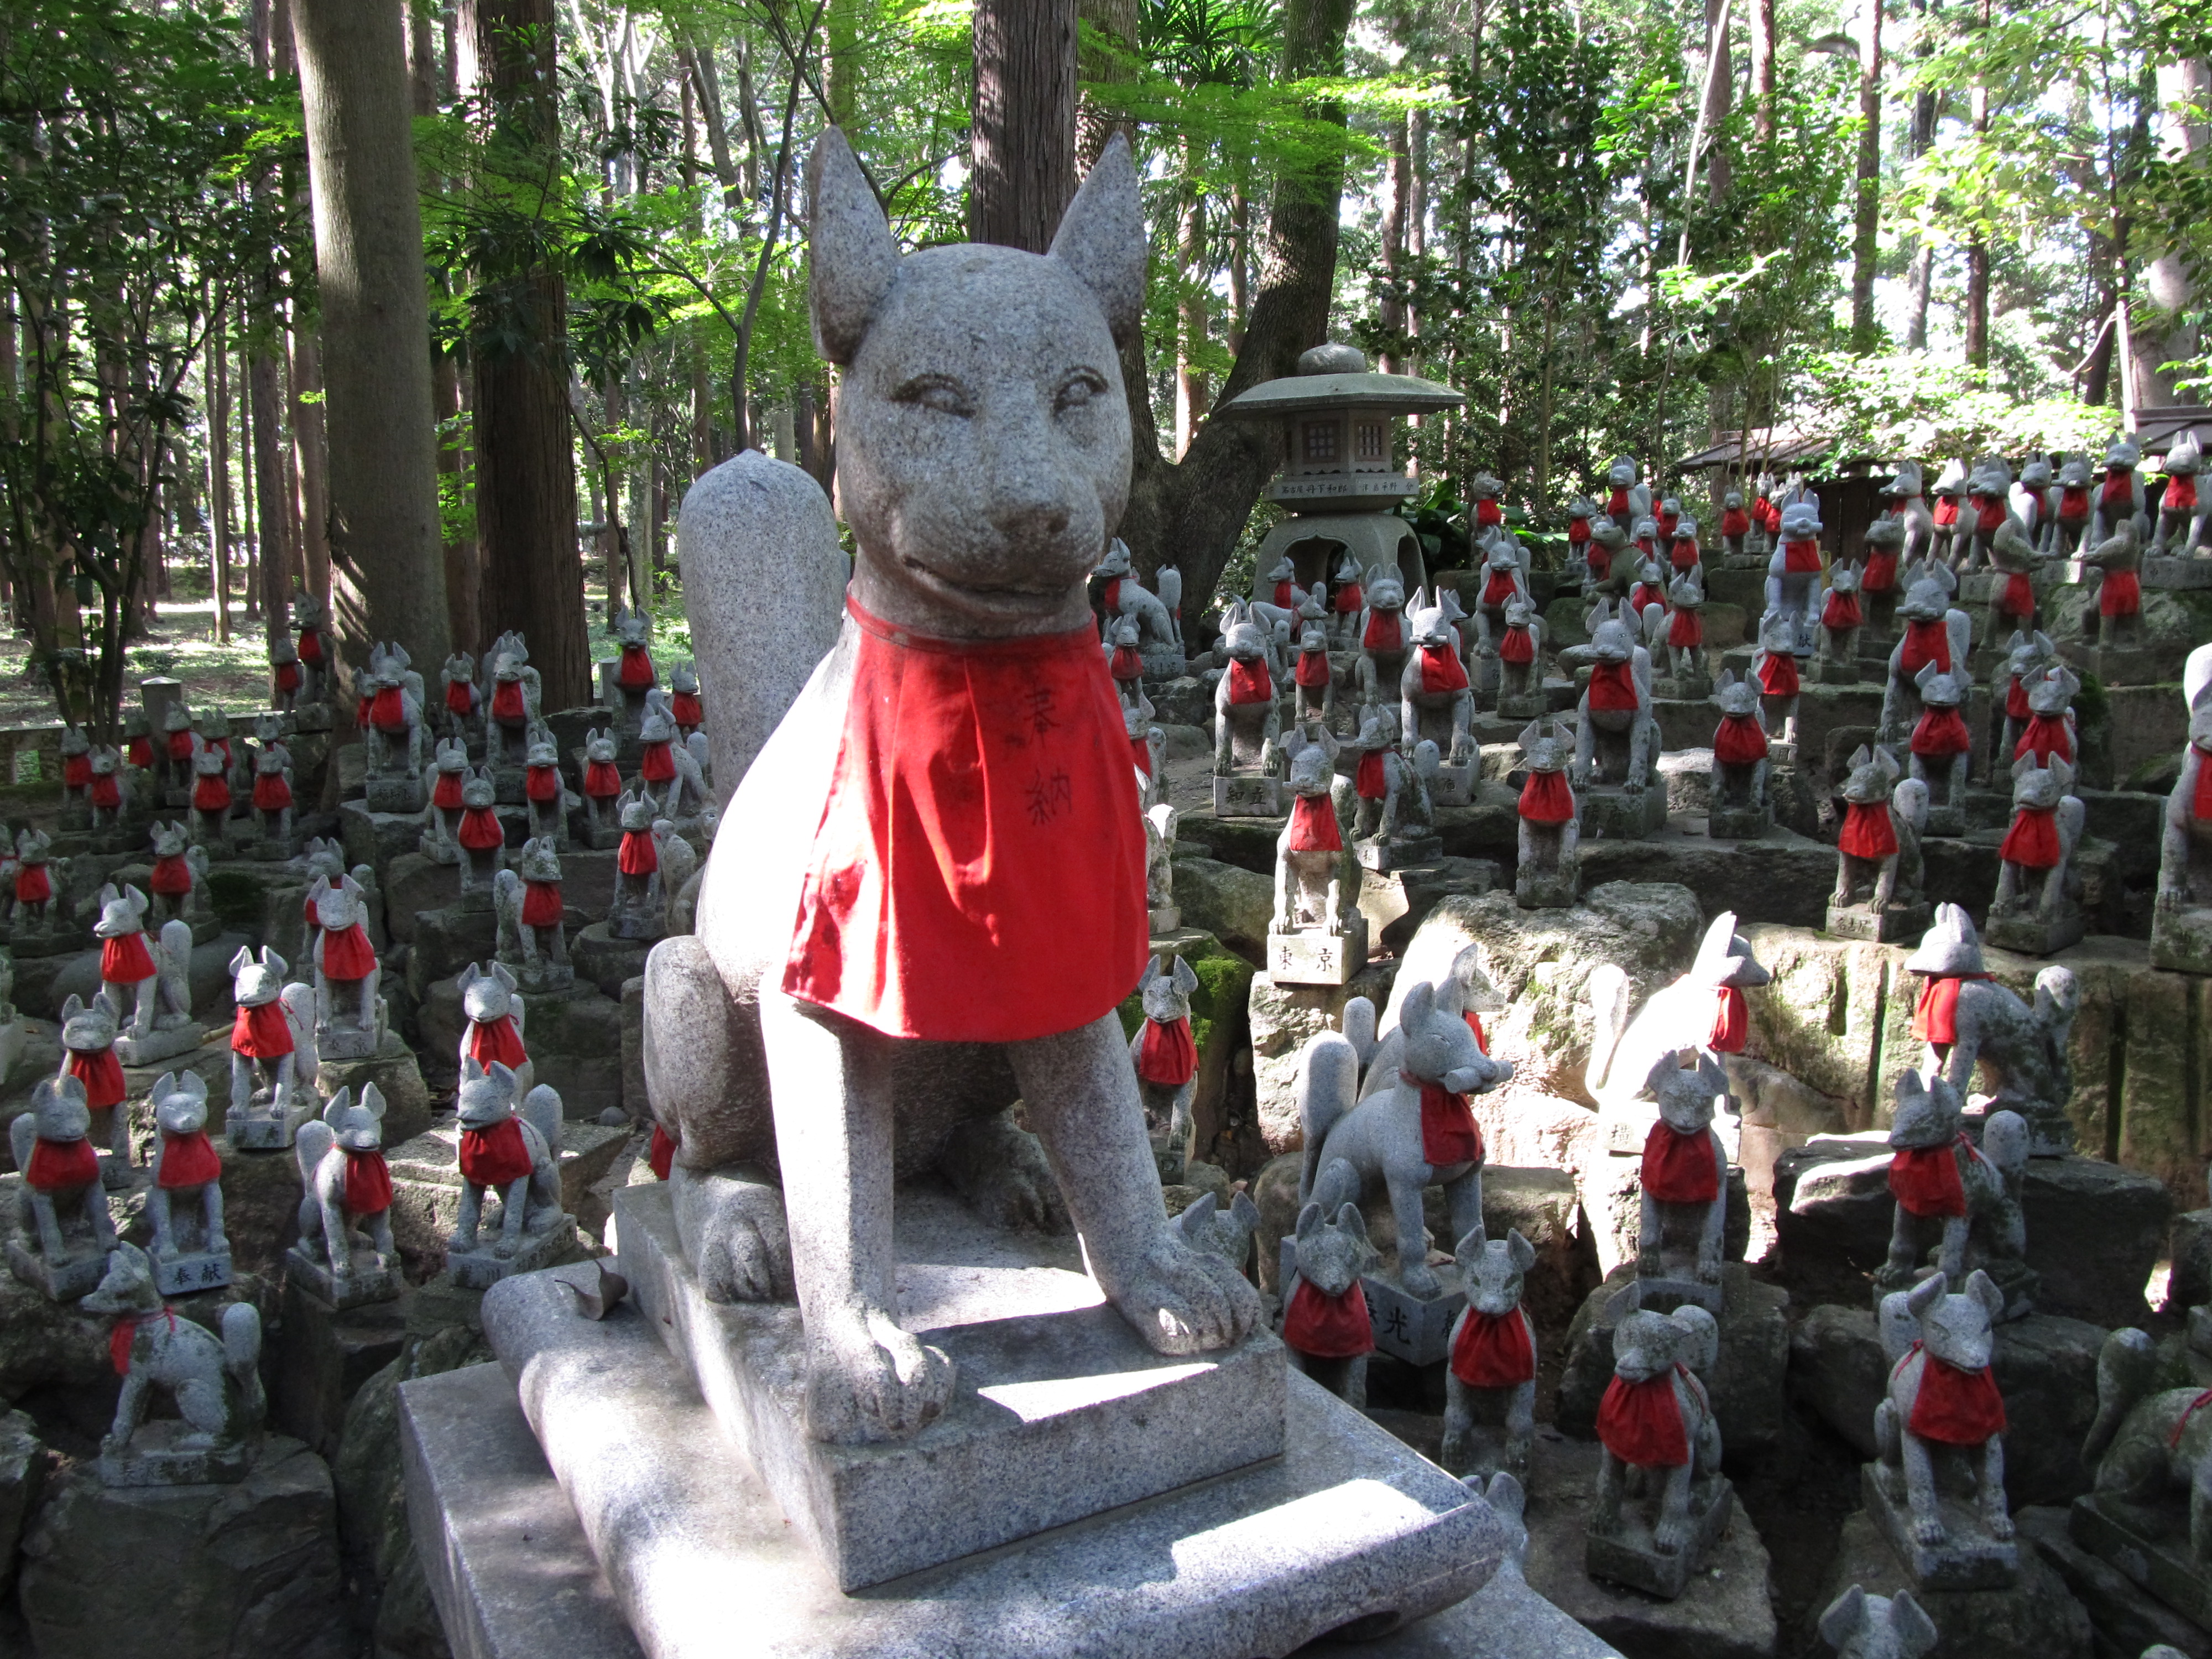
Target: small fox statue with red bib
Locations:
point(1661, 1441)
point(1942, 1402)
point(1936, 1174)
point(2181, 920)
point(1740, 805)
point(493, 1030)
point(1969, 1021)
point(515, 1155)
point(2184, 518)
point(1616, 738)
point(185, 1169)
point(1166, 1059)
point(347, 1208)
point(1490, 1382)
point(1878, 862)
point(2036, 875)
point(1436, 700)
point(65, 1214)
point(1683, 1183)
point(1325, 1320)
point(1705, 1008)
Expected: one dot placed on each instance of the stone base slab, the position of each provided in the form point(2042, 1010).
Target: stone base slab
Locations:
point(606, 961)
point(155, 1457)
point(1895, 924)
point(1311, 956)
point(1346, 1528)
point(482, 1268)
point(1384, 856)
point(157, 1046)
point(1239, 796)
point(2152, 1550)
point(1547, 890)
point(1060, 1410)
point(2181, 939)
point(399, 796)
point(2033, 935)
point(1968, 1558)
point(188, 1271)
point(1610, 813)
point(263, 1132)
point(370, 1278)
point(1739, 824)
point(2166, 571)
point(1454, 785)
point(79, 1276)
point(1628, 1556)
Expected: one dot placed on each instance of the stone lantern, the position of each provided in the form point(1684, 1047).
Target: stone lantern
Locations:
point(1339, 421)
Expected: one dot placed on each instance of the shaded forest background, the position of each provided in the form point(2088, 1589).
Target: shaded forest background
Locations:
point(1619, 226)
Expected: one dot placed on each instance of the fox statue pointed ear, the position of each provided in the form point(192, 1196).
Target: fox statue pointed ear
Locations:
point(855, 258)
point(1101, 237)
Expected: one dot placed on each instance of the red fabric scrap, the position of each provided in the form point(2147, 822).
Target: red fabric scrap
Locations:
point(1450, 1135)
point(188, 1160)
point(1935, 1016)
point(1329, 1327)
point(101, 1072)
point(497, 1040)
point(261, 1031)
point(1493, 1350)
point(124, 959)
point(1313, 826)
point(1740, 740)
point(541, 904)
point(1925, 1180)
point(347, 953)
point(1250, 683)
point(1641, 1423)
point(495, 1155)
point(368, 1182)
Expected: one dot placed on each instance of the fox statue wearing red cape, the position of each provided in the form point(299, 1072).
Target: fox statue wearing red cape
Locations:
point(926, 896)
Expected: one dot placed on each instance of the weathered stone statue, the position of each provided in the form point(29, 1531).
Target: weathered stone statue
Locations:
point(1704, 1006)
point(311, 627)
point(266, 1074)
point(1317, 935)
point(1686, 639)
point(461, 702)
point(271, 799)
point(1941, 749)
point(2150, 1514)
point(1909, 508)
point(214, 1381)
point(1774, 666)
point(66, 1230)
point(1548, 873)
point(2120, 595)
point(548, 798)
point(1648, 594)
point(637, 909)
point(2030, 499)
point(2012, 590)
point(350, 1015)
point(1608, 556)
point(1967, 1020)
point(1166, 1059)
point(532, 938)
point(1887, 542)
point(1972, 1194)
point(1942, 1408)
point(515, 1156)
point(344, 1253)
point(1793, 574)
point(1248, 722)
point(634, 672)
point(479, 839)
point(189, 1250)
point(685, 706)
point(395, 744)
point(1437, 703)
point(441, 816)
point(1683, 1182)
point(1520, 651)
point(1741, 806)
point(33, 913)
point(514, 703)
point(2119, 500)
point(1627, 499)
point(1382, 642)
point(603, 790)
point(76, 773)
point(178, 886)
point(88, 1033)
point(2051, 731)
point(1735, 525)
point(1490, 1380)
point(1325, 1320)
point(1861, 1626)
point(2036, 909)
point(1662, 1502)
point(2181, 921)
point(107, 796)
point(1878, 865)
point(1986, 513)
point(211, 797)
point(1934, 632)
point(2067, 519)
point(1950, 485)
point(2027, 655)
point(2182, 521)
point(154, 982)
point(1616, 738)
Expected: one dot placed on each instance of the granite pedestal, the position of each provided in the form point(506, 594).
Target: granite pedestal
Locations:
point(2036, 935)
point(158, 1456)
point(1313, 956)
point(183, 1272)
point(484, 1267)
point(157, 1045)
point(369, 1277)
point(73, 1276)
point(1246, 795)
point(2150, 1546)
point(1968, 1558)
point(2181, 938)
point(1627, 1553)
point(1893, 924)
point(1612, 813)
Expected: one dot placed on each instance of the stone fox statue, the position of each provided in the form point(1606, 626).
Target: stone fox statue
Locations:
point(986, 456)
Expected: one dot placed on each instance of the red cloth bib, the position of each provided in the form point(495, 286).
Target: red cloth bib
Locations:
point(1578, 529)
point(1867, 831)
point(541, 904)
point(1384, 631)
point(1599, 561)
point(1778, 675)
point(1804, 557)
point(1925, 643)
point(1312, 671)
point(460, 696)
point(1841, 612)
point(61, 1165)
point(1493, 1350)
point(76, 771)
point(601, 780)
point(271, 793)
point(124, 959)
point(1880, 575)
point(1475, 1024)
point(368, 1182)
point(1327, 1327)
point(542, 783)
point(508, 708)
point(1487, 511)
point(1347, 599)
point(1680, 1169)
point(971, 781)
point(1687, 631)
point(1129, 664)
point(261, 1031)
point(1935, 1016)
point(1499, 588)
point(2181, 1422)
point(346, 954)
point(1940, 732)
point(2016, 702)
point(126, 1333)
point(1283, 595)
point(2180, 493)
point(1617, 504)
point(387, 710)
point(1731, 1020)
point(172, 876)
point(1140, 753)
point(1952, 1407)
point(446, 794)
point(1735, 521)
point(1313, 825)
point(1740, 740)
point(1946, 511)
point(189, 1160)
point(1516, 646)
point(494, 1155)
point(2046, 735)
point(1442, 670)
point(634, 672)
point(1612, 686)
point(1546, 798)
point(101, 1072)
point(1925, 1179)
point(181, 744)
point(2019, 597)
point(2201, 806)
point(310, 645)
point(1641, 1424)
point(2119, 485)
point(1167, 1056)
point(212, 794)
point(683, 708)
point(32, 884)
point(661, 1156)
point(139, 752)
point(1109, 596)
point(1450, 1135)
point(655, 764)
point(1990, 512)
point(1643, 597)
point(2032, 841)
point(1372, 781)
point(637, 855)
point(1249, 682)
point(1770, 515)
point(2120, 594)
point(493, 1040)
point(480, 830)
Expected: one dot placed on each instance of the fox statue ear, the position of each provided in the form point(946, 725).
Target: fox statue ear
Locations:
point(855, 257)
point(1102, 239)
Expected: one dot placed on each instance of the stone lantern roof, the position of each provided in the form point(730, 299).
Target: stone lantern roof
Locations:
point(1338, 423)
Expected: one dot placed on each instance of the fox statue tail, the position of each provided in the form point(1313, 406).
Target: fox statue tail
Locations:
point(241, 1358)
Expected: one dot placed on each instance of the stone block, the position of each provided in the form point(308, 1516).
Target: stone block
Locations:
point(606, 961)
point(2189, 1284)
point(1217, 1570)
point(1050, 1379)
point(2124, 1615)
point(1615, 814)
point(1746, 1385)
point(1283, 1018)
point(1310, 956)
point(447, 940)
point(251, 1568)
point(634, 1098)
point(1723, 1613)
point(1247, 796)
point(393, 1070)
point(377, 838)
point(22, 1485)
point(1233, 905)
point(1504, 1619)
point(1397, 900)
point(1779, 875)
point(2036, 1618)
point(1967, 1558)
point(2046, 1367)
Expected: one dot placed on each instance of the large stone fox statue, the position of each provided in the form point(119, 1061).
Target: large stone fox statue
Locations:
point(927, 895)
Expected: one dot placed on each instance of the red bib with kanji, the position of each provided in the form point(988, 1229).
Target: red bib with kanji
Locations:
point(1952, 1407)
point(495, 1155)
point(261, 1031)
point(1493, 1350)
point(1925, 1181)
point(970, 780)
point(1167, 1056)
point(1329, 1327)
point(1449, 1134)
point(1641, 1423)
point(1314, 827)
point(1680, 1169)
point(189, 1160)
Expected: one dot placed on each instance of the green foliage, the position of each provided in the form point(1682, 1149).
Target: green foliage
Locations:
point(1907, 405)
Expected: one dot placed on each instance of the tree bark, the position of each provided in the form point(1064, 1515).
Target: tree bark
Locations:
point(1193, 512)
point(1115, 20)
point(218, 431)
point(2161, 336)
point(1021, 143)
point(1866, 334)
point(1762, 69)
point(1192, 313)
point(533, 576)
point(1977, 252)
point(1397, 200)
point(314, 459)
point(387, 566)
point(1921, 282)
point(1720, 97)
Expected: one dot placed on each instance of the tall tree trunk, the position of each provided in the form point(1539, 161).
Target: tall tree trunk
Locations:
point(249, 490)
point(218, 430)
point(2163, 336)
point(1865, 227)
point(387, 566)
point(1719, 99)
point(1117, 20)
point(1397, 199)
point(1193, 313)
point(1762, 69)
point(307, 428)
point(533, 578)
point(264, 388)
point(1977, 252)
point(1022, 144)
point(1921, 278)
point(427, 33)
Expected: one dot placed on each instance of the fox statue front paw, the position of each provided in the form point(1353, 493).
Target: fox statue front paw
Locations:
point(868, 1380)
